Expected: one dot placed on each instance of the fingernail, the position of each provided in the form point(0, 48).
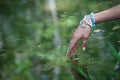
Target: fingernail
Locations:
point(83, 48)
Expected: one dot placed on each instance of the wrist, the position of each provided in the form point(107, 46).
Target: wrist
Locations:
point(88, 21)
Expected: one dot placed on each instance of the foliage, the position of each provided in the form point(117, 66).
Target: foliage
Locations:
point(28, 50)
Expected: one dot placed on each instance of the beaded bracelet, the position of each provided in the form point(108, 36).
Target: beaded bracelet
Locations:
point(92, 19)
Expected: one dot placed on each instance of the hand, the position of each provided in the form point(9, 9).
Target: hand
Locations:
point(80, 33)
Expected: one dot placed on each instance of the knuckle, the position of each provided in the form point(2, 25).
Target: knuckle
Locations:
point(86, 36)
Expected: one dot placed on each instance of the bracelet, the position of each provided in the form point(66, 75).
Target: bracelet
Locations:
point(92, 19)
point(88, 20)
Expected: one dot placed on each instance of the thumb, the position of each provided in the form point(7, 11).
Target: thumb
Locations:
point(84, 44)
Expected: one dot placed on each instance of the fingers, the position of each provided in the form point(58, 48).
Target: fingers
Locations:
point(75, 48)
point(72, 51)
point(72, 47)
point(84, 44)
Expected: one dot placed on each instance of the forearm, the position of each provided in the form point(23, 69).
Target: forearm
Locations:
point(108, 15)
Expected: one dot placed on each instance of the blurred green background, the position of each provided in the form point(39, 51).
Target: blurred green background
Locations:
point(35, 34)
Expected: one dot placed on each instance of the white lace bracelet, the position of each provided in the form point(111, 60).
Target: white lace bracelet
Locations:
point(88, 20)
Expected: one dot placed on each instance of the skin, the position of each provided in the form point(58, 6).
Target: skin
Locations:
point(83, 33)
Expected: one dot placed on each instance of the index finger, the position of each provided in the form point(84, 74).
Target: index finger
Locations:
point(71, 46)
